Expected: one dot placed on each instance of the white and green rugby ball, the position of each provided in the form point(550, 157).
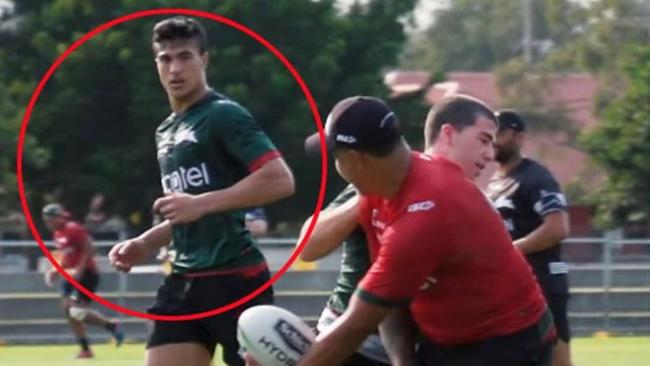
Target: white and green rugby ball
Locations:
point(273, 336)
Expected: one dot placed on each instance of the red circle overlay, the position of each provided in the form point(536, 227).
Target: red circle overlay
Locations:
point(142, 14)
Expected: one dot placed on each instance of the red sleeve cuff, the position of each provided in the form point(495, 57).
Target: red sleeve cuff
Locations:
point(259, 162)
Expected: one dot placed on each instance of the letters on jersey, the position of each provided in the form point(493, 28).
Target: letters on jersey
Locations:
point(182, 178)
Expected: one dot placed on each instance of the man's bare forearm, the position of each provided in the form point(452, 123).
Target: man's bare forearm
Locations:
point(332, 228)
point(554, 228)
point(399, 334)
point(272, 182)
point(156, 237)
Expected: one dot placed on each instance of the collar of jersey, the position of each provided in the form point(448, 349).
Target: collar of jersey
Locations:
point(209, 96)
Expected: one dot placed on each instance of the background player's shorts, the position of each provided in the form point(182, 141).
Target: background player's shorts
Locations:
point(180, 295)
point(532, 346)
point(89, 280)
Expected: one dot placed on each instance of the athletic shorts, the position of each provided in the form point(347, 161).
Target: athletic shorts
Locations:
point(532, 346)
point(89, 280)
point(182, 295)
point(358, 359)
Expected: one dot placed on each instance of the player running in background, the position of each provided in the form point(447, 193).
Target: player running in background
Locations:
point(437, 245)
point(534, 211)
point(214, 162)
point(75, 255)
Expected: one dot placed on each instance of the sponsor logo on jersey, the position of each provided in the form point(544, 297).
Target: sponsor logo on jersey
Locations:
point(430, 281)
point(183, 178)
point(421, 206)
point(376, 222)
point(292, 337)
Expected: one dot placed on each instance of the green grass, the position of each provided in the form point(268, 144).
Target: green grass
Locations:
point(105, 355)
point(617, 351)
point(63, 355)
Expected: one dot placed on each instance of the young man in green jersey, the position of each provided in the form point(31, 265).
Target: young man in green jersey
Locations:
point(214, 162)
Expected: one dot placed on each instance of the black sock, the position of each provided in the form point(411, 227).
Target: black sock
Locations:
point(110, 326)
point(83, 342)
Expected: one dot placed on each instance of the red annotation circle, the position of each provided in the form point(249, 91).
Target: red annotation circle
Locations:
point(141, 14)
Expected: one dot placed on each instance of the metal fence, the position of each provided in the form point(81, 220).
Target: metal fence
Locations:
point(609, 266)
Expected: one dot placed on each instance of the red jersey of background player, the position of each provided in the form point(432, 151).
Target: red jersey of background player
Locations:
point(440, 246)
point(69, 241)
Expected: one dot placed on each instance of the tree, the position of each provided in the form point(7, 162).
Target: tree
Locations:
point(621, 145)
point(480, 35)
point(97, 115)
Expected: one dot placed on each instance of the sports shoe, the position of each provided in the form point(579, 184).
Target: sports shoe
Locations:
point(84, 354)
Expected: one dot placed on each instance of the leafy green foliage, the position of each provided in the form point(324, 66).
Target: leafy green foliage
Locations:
point(621, 144)
point(93, 126)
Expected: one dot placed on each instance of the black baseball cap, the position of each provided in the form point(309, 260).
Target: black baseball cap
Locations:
point(509, 119)
point(358, 123)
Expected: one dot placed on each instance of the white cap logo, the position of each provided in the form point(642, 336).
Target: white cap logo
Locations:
point(346, 139)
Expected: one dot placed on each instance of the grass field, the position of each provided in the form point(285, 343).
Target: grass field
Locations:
point(623, 351)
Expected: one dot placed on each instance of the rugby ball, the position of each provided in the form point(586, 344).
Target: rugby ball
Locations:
point(273, 336)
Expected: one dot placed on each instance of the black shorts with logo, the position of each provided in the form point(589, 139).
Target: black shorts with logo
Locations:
point(182, 295)
point(532, 346)
point(89, 280)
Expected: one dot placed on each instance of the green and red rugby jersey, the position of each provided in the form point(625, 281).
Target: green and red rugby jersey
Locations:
point(211, 146)
point(441, 247)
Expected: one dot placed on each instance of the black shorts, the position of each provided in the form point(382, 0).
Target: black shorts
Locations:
point(532, 346)
point(358, 359)
point(180, 295)
point(89, 280)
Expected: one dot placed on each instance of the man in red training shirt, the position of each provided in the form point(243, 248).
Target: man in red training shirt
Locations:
point(75, 255)
point(436, 244)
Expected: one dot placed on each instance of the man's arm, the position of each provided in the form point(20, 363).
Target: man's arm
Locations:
point(554, 228)
point(271, 182)
point(404, 260)
point(332, 228)
point(346, 334)
point(399, 335)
